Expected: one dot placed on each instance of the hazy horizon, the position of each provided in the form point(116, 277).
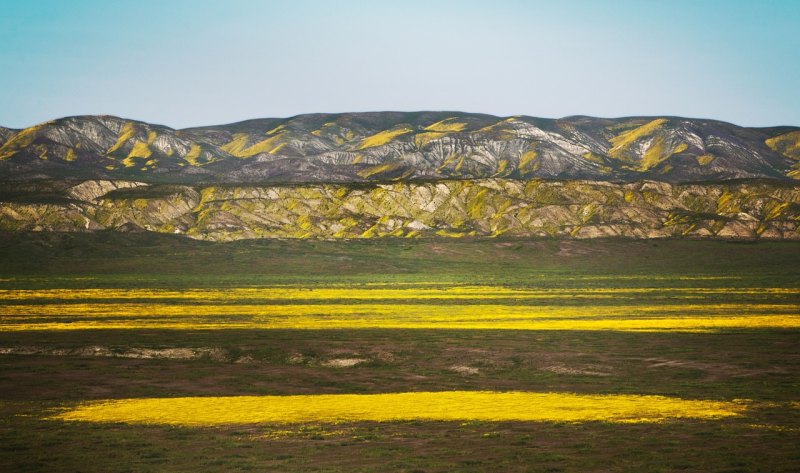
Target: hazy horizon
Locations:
point(184, 64)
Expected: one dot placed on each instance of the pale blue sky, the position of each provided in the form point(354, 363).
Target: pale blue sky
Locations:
point(192, 62)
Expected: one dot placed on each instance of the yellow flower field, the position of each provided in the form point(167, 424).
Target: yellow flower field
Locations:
point(674, 324)
point(399, 312)
point(361, 307)
point(294, 293)
point(430, 406)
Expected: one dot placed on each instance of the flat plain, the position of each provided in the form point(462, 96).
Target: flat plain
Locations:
point(141, 352)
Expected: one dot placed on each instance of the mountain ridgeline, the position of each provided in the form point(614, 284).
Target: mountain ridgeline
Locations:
point(405, 175)
point(394, 146)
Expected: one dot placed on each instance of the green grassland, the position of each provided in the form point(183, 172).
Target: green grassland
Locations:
point(110, 259)
point(42, 371)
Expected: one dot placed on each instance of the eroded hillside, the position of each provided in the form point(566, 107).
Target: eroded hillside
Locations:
point(468, 208)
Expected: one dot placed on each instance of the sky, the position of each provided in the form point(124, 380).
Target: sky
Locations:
point(187, 63)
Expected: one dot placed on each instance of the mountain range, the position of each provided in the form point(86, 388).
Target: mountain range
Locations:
point(400, 146)
point(405, 175)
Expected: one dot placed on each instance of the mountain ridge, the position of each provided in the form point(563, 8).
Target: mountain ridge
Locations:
point(386, 146)
point(476, 208)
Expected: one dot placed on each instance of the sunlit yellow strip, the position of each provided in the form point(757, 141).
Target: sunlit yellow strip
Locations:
point(642, 277)
point(653, 324)
point(299, 293)
point(431, 312)
point(432, 406)
point(267, 293)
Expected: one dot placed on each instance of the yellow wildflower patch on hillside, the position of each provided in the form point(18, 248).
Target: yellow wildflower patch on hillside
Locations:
point(380, 169)
point(424, 138)
point(654, 154)
point(448, 125)
point(705, 159)
point(438, 130)
point(658, 153)
point(623, 141)
point(383, 137)
point(20, 140)
point(589, 156)
point(527, 161)
point(277, 129)
point(193, 154)
point(787, 144)
point(239, 145)
point(140, 150)
point(125, 134)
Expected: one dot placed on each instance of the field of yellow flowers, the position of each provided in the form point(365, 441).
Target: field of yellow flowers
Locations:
point(679, 359)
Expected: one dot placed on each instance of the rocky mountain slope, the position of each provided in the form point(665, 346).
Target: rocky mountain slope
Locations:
point(387, 146)
point(453, 208)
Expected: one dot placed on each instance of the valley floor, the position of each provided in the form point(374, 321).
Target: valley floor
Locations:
point(142, 352)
